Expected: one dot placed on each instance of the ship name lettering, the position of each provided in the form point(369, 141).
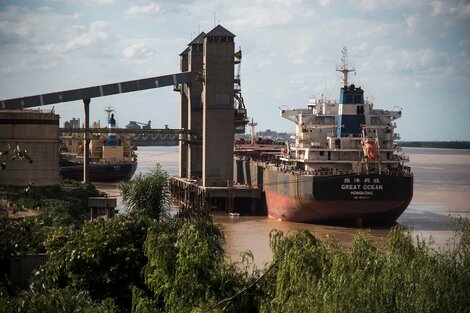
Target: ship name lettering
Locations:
point(362, 193)
point(350, 187)
point(361, 187)
point(373, 187)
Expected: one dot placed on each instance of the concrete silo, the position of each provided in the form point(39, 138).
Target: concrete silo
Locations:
point(37, 133)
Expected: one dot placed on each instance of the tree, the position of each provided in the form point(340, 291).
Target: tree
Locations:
point(186, 269)
point(18, 237)
point(147, 195)
point(406, 276)
point(103, 258)
point(65, 300)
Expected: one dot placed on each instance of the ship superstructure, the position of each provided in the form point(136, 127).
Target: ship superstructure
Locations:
point(348, 135)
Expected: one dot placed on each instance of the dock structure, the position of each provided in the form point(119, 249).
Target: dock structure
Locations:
point(235, 199)
point(99, 204)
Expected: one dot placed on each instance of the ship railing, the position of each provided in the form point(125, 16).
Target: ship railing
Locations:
point(397, 171)
point(327, 172)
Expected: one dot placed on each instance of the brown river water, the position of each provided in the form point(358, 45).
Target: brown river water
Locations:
point(441, 189)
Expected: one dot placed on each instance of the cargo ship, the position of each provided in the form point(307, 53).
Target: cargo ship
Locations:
point(344, 166)
point(112, 156)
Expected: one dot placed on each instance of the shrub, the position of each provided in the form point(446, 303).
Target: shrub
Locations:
point(66, 300)
point(313, 276)
point(186, 270)
point(147, 195)
point(104, 258)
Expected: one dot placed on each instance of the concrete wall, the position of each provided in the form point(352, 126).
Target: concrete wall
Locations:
point(183, 151)
point(38, 134)
point(195, 58)
point(218, 110)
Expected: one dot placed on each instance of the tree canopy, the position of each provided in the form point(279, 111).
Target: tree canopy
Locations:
point(147, 261)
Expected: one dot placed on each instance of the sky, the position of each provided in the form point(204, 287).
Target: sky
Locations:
point(412, 55)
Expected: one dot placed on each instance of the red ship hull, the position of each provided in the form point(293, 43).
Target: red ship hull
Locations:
point(359, 199)
point(286, 208)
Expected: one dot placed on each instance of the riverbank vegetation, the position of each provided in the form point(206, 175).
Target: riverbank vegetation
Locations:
point(62, 205)
point(152, 261)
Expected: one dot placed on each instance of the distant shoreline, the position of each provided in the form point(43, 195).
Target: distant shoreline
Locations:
point(436, 144)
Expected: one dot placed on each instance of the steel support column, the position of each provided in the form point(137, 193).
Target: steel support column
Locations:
point(86, 142)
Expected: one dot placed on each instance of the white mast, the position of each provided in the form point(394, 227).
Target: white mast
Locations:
point(108, 110)
point(343, 67)
point(252, 124)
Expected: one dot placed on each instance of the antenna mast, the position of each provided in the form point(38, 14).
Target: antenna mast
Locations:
point(343, 67)
point(109, 109)
point(253, 125)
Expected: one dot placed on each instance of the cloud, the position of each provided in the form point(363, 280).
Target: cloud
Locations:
point(280, 13)
point(152, 8)
point(76, 36)
point(249, 17)
point(100, 2)
point(286, 3)
point(437, 8)
point(411, 21)
point(138, 50)
point(323, 3)
point(464, 43)
point(420, 62)
point(89, 2)
point(40, 38)
point(397, 5)
point(44, 31)
point(95, 32)
point(461, 10)
point(10, 24)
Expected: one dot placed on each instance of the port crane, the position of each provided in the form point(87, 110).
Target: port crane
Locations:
point(140, 125)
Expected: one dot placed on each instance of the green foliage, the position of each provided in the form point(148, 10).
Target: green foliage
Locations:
point(142, 303)
point(149, 262)
point(61, 205)
point(66, 300)
point(299, 263)
point(5, 300)
point(315, 276)
point(147, 195)
point(104, 258)
point(60, 213)
point(185, 269)
point(20, 236)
